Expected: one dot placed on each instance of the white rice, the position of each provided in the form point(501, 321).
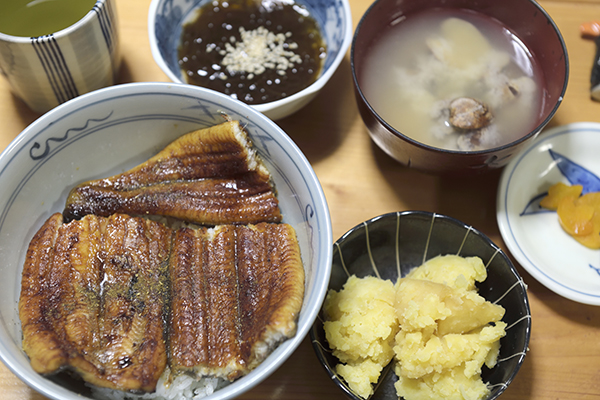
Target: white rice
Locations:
point(183, 387)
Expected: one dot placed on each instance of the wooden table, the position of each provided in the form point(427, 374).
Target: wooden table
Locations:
point(361, 182)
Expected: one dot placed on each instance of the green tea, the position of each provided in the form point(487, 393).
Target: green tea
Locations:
point(31, 18)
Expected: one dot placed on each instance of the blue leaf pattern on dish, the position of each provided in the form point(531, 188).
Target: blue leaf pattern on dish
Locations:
point(533, 207)
point(575, 174)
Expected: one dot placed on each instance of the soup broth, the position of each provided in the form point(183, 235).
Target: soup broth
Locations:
point(454, 79)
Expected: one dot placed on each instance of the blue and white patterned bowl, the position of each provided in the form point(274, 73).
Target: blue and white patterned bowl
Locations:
point(390, 245)
point(111, 130)
point(166, 17)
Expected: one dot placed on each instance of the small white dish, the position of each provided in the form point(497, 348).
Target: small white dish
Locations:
point(533, 235)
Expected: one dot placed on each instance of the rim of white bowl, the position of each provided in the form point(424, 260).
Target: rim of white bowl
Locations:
point(313, 88)
point(280, 354)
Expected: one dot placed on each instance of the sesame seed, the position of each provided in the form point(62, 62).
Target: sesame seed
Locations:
point(259, 50)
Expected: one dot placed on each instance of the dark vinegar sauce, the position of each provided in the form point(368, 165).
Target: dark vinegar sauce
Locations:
point(207, 40)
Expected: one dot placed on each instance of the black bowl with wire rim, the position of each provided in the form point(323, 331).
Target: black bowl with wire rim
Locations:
point(390, 245)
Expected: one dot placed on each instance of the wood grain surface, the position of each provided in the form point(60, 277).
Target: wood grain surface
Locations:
point(361, 182)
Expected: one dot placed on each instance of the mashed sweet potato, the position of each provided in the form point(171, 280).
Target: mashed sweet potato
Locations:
point(447, 331)
point(432, 322)
point(360, 328)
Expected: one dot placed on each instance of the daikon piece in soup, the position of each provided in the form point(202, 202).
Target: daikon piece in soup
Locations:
point(454, 79)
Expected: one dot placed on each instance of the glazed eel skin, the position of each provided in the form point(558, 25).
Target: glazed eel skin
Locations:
point(119, 299)
point(92, 297)
point(211, 176)
point(244, 298)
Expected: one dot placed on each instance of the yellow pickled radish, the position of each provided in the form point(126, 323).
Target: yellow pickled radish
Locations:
point(575, 218)
point(593, 239)
point(578, 215)
point(559, 191)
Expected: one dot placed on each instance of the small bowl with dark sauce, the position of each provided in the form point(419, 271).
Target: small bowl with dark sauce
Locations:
point(274, 55)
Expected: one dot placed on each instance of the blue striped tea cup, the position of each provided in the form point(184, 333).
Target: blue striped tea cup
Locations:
point(48, 70)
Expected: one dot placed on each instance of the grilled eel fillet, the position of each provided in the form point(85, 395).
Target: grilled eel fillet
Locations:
point(210, 176)
point(236, 293)
point(119, 299)
point(92, 297)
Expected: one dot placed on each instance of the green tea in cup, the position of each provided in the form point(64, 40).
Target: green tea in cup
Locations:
point(31, 18)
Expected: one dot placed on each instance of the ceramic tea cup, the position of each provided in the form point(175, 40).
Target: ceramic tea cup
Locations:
point(47, 67)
